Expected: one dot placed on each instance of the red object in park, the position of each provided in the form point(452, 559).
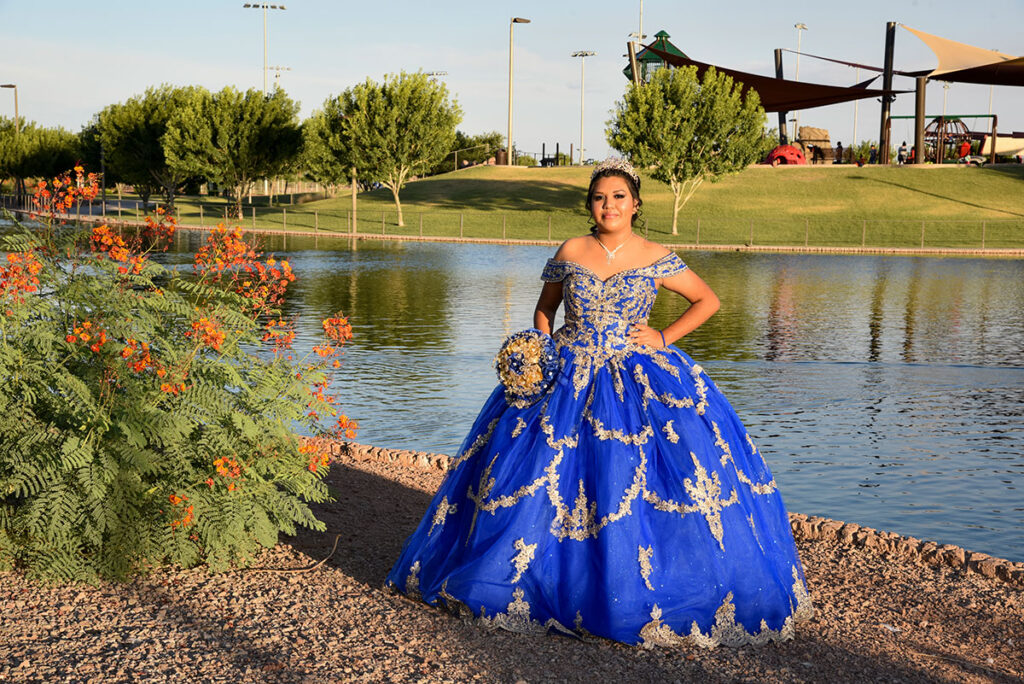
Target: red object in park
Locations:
point(785, 154)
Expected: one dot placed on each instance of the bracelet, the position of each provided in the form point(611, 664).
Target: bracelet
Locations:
point(663, 343)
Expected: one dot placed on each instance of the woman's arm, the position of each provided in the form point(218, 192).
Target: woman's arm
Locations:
point(703, 304)
point(547, 305)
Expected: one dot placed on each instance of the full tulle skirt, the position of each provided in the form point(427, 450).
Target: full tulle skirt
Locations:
point(629, 502)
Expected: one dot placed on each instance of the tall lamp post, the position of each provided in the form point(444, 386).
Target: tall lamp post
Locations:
point(800, 28)
point(17, 121)
point(277, 73)
point(508, 146)
point(264, 6)
point(582, 54)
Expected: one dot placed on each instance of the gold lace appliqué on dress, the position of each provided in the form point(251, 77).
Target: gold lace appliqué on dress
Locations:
point(726, 631)
point(444, 509)
point(412, 582)
point(521, 561)
point(644, 559)
point(756, 488)
point(670, 433)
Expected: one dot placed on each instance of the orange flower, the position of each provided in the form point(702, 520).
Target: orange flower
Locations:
point(208, 332)
point(20, 277)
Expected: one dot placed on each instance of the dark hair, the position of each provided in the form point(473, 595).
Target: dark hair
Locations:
point(634, 191)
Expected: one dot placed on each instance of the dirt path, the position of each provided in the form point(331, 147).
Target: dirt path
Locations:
point(878, 618)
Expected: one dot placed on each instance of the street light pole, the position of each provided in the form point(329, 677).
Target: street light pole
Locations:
point(264, 6)
point(800, 27)
point(17, 121)
point(582, 54)
point(508, 142)
point(856, 79)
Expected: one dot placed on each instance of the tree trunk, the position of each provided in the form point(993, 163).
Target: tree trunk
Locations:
point(677, 191)
point(398, 204)
point(169, 198)
point(235, 198)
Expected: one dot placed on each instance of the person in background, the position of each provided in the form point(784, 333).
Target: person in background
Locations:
point(901, 157)
point(872, 154)
point(839, 153)
point(965, 149)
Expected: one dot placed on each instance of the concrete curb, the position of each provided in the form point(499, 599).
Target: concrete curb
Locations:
point(807, 527)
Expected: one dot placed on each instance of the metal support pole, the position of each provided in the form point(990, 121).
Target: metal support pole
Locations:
point(992, 158)
point(253, 218)
point(698, 231)
point(983, 226)
point(421, 224)
point(461, 217)
point(634, 66)
point(200, 214)
point(863, 232)
point(922, 234)
point(316, 220)
point(284, 218)
point(502, 226)
point(919, 117)
point(883, 129)
point(783, 138)
point(354, 188)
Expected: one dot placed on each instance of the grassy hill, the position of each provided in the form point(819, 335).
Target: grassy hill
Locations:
point(825, 205)
point(836, 205)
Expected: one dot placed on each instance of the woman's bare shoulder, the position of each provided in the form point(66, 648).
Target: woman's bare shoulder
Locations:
point(571, 248)
point(653, 251)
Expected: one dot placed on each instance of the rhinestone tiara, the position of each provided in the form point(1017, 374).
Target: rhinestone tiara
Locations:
point(616, 165)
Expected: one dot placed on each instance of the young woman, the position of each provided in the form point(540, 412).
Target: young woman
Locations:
point(627, 501)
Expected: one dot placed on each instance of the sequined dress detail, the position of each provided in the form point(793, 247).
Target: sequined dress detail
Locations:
point(629, 502)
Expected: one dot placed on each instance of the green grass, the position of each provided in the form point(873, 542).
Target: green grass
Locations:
point(847, 206)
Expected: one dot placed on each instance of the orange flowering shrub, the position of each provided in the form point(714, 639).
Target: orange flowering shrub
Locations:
point(150, 414)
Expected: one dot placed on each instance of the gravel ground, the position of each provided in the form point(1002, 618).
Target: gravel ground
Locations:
point(878, 618)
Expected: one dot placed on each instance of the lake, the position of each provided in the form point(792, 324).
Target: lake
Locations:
point(888, 391)
point(883, 390)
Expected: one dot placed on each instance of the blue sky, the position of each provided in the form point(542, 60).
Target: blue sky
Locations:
point(69, 59)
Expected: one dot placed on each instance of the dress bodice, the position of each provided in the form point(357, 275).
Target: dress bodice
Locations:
point(598, 312)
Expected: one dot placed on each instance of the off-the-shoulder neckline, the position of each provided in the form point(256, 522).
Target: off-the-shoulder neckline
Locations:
point(617, 273)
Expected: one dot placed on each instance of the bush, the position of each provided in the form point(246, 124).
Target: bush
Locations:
point(149, 414)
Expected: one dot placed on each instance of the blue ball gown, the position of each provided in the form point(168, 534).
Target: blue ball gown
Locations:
point(627, 502)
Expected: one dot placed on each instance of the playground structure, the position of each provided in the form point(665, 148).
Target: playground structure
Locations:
point(957, 63)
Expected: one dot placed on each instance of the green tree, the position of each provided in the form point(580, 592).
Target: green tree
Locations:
point(132, 134)
point(234, 138)
point(398, 129)
point(471, 149)
point(687, 130)
point(34, 151)
point(325, 153)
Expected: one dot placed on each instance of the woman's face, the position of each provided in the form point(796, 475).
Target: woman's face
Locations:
point(612, 205)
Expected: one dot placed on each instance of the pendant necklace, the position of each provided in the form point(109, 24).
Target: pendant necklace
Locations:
point(610, 253)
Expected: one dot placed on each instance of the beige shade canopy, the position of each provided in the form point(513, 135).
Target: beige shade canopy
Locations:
point(962, 63)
